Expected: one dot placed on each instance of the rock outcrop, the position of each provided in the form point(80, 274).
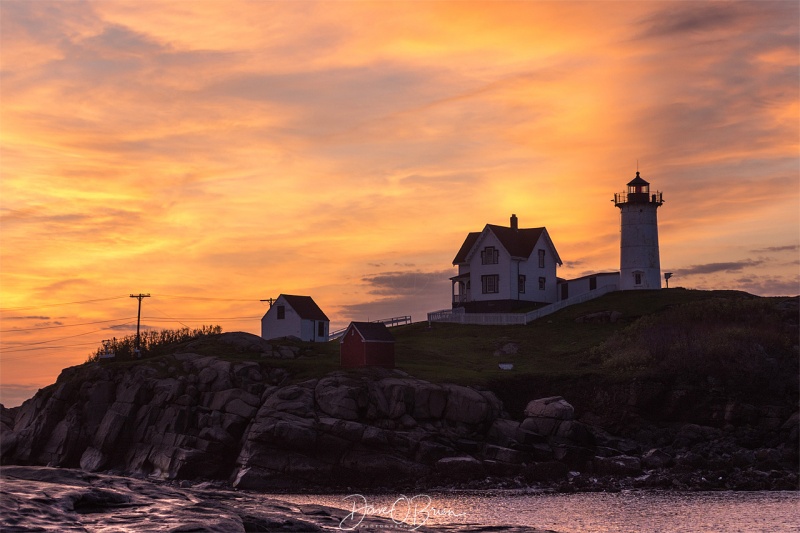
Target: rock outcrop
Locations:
point(190, 416)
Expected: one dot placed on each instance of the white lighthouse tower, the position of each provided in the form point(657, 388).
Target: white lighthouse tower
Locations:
point(639, 264)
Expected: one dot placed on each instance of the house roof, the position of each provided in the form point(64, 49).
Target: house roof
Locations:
point(517, 242)
point(305, 307)
point(371, 331)
point(469, 242)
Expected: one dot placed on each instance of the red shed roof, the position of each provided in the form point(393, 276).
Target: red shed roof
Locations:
point(371, 331)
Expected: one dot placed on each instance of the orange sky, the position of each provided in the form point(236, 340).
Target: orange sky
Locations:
point(216, 153)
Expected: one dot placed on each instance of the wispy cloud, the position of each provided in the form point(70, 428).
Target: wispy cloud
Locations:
point(710, 268)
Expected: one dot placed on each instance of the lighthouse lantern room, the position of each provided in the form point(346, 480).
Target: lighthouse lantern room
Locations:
point(640, 265)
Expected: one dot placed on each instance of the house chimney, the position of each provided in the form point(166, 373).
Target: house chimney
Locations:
point(514, 224)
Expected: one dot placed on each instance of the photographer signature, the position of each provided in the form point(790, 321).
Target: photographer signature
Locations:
point(414, 511)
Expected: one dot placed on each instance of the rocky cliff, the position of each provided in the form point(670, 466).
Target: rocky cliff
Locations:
point(190, 416)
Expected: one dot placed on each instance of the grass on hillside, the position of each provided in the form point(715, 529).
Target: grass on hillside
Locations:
point(556, 346)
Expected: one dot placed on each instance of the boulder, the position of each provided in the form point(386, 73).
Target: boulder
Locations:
point(656, 458)
point(340, 397)
point(430, 401)
point(554, 407)
point(293, 399)
point(467, 405)
point(503, 432)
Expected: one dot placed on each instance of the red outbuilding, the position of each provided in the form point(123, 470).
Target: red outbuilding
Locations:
point(367, 344)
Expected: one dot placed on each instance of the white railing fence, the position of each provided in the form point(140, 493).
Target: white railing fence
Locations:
point(458, 316)
point(389, 322)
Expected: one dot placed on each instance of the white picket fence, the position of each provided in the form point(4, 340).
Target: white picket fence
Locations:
point(458, 316)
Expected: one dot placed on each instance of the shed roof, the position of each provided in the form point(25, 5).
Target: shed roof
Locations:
point(371, 331)
point(305, 307)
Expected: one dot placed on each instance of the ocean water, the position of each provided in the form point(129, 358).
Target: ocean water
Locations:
point(622, 512)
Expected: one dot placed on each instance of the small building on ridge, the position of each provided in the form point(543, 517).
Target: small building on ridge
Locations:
point(295, 316)
point(367, 344)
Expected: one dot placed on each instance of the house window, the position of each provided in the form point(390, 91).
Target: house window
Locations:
point(542, 283)
point(281, 312)
point(564, 291)
point(592, 283)
point(490, 255)
point(637, 278)
point(541, 258)
point(491, 284)
point(320, 329)
point(521, 284)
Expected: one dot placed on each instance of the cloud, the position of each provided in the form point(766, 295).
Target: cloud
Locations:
point(130, 327)
point(710, 268)
point(775, 286)
point(407, 283)
point(401, 293)
point(778, 249)
point(690, 18)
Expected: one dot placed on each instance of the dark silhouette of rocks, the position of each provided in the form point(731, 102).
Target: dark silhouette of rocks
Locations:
point(196, 417)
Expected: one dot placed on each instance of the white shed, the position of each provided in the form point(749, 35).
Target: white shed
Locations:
point(295, 316)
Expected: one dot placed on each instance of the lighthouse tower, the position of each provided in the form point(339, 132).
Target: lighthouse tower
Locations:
point(639, 264)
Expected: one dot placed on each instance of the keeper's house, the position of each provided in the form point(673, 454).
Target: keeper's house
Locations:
point(504, 268)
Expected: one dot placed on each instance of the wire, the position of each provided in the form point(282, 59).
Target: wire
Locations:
point(39, 348)
point(166, 315)
point(12, 330)
point(64, 303)
point(206, 298)
point(206, 318)
point(19, 346)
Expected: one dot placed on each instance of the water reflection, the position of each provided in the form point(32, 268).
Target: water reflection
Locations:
point(624, 512)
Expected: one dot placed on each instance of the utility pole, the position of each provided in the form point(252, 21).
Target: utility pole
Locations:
point(270, 300)
point(138, 320)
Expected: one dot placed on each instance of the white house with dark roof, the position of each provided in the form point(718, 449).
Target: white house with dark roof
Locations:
point(504, 268)
point(295, 316)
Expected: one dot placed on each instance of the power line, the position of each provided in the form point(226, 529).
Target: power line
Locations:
point(58, 304)
point(60, 339)
point(194, 318)
point(40, 348)
point(206, 298)
point(12, 330)
point(166, 315)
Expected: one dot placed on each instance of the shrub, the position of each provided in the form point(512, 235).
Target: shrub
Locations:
point(152, 342)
